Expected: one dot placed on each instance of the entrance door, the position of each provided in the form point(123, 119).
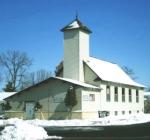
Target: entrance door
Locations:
point(30, 110)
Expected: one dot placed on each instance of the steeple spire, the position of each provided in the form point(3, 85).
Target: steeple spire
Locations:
point(76, 15)
point(76, 24)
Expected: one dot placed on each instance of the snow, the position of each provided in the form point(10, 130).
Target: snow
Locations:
point(73, 25)
point(146, 93)
point(4, 95)
point(77, 83)
point(108, 71)
point(110, 120)
point(17, 129)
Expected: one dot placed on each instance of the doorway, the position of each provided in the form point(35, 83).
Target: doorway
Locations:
point(30, 110)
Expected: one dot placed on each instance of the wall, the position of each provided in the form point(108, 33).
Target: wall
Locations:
point(90, 76)
point(120, 106)
point(90, 106)
point(49, 96)
point(76, 49)
point(71, 55)
point(113, 106)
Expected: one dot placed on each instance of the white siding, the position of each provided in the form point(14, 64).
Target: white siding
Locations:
point(76, 49)
point(71, 55)
point(113, 106)
point(90, 108)
point(84, 45)
point(120, 106)
point(90, 105)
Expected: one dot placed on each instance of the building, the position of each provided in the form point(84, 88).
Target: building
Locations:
point(101, 87)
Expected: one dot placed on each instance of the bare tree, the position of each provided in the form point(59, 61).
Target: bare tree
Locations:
point(147, 106)
point(0, 77)
point(148, 89)
point(42, 75)
point(129, 72)
point(15, 65)
point(35, 77)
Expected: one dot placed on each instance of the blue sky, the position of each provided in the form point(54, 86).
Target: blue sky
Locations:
point(121, 31)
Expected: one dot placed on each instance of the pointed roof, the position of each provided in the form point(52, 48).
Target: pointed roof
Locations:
point(108, 71)
point(76, 24)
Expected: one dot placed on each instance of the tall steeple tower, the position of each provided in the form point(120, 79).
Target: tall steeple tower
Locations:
point(76, 49)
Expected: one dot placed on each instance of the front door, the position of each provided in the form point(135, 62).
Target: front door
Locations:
point(30, 110)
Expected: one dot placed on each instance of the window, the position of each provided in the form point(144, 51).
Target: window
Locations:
point(116, 113)
point(116, 94)
point(123, 94)
point(89, 97)
point(130, 96)
point(137, 96)
point(108, 93)
point(129, 111)
point(123, 112)
point(138, 111)
point(102, 114)
point(92, 97)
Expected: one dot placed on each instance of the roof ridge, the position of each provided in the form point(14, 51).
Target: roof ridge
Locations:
point(104, 60)
point(111, 72)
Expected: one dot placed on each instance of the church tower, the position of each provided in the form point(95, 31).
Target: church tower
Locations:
point(76, 49)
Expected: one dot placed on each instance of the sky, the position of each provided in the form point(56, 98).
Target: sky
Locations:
point(121, 31)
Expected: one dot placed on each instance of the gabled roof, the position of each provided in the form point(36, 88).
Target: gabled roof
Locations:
point(73, 82)
point(76, 24)
point(111, 72)
point(78, 83)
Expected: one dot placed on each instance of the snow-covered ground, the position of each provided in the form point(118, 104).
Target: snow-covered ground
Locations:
point(17, 129)
point(114, 120)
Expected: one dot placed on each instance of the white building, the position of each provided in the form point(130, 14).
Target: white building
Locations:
point(119, 94)
point(100, 86)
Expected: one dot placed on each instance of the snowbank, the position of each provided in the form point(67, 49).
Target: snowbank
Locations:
point(17, 129)
point(22, 130)
point(114, 120)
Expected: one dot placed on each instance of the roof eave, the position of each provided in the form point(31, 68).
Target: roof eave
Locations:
point(80, 28)
point(54, 78)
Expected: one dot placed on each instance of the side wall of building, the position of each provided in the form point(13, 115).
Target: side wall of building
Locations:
point(124, 105)
point(90, 104)
point(116, 107)
point(50, 96)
